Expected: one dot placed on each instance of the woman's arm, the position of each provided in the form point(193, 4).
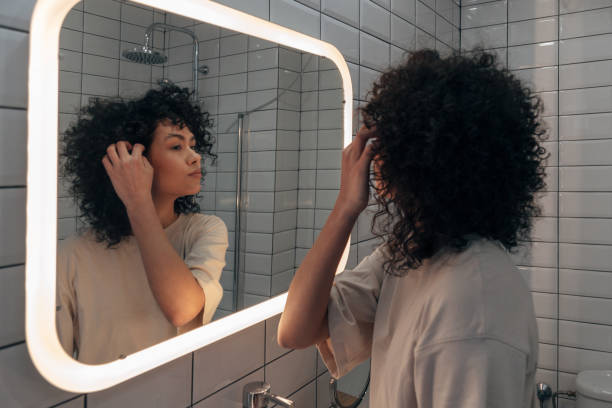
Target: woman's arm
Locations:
point(176, 290)
point(304, 320)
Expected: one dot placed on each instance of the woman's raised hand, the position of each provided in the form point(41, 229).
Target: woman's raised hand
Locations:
point(130, 174)
point(354, 186)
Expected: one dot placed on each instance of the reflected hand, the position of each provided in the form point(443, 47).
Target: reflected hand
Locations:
point(354, 186)
point(130, 174)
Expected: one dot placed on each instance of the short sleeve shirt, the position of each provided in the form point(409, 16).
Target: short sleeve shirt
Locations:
point(105, 307)
point(459, 331)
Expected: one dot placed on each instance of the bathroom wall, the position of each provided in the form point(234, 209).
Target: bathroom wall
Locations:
point(563, 48)
point(371, 35)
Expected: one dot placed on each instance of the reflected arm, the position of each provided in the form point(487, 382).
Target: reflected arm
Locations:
point(176, 290)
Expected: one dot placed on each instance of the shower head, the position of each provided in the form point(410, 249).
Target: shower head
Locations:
point(144, 55)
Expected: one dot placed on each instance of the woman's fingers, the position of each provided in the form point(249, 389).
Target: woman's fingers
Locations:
point(137, 151)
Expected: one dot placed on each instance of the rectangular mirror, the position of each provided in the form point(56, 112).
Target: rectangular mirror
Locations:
point(276, 103)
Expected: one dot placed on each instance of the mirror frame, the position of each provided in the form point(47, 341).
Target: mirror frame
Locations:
point(43, 345)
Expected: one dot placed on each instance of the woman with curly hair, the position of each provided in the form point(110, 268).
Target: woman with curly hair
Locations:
point(148, 266)
point(439, 306)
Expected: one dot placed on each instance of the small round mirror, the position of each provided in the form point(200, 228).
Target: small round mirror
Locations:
point(350, 391)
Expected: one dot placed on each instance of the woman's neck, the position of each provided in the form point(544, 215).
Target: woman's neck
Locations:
point(164, 206)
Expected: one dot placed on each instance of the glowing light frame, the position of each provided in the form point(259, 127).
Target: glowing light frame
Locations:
point(45, 350)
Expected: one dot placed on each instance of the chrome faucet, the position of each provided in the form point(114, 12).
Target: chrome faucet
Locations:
point(257, 395)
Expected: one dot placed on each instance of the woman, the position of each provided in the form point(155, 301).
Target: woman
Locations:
point(439, 307)
point(148, 267)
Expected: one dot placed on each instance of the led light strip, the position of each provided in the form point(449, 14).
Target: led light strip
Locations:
point(41, 236)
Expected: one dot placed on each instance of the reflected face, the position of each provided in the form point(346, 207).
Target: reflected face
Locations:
point(176, 165)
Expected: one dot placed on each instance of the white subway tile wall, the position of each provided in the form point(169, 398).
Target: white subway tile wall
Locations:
point(561, 48)
point(302, 178)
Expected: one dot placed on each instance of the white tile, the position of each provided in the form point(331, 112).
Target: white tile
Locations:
point(585, 49)
point(232, 357)
point(403, 34)
point(547, 330)
point(273, 350)
point(588, 257)
point(341, 35)
point(285, 220)
point(12, 225)
point(404, 9)
point(585, 205)
point(13, 152)
point(424, 40)
point(306, 396)
point(425, 18)
point(16, 14)
point(104, 8)
point(73, 20)
point(233, 103)
point(547, 356)
point(257, 284)
point(574, 360)
point(262, 120)
point(286, 180)
point(166, 386)
point(483, 14)
point(585, 75)
point(285, 200)
point(445, 32)
point(533, 31)
point(259, 222)
point(233, 64)
point(263, 79)
point(591, 100)
point(295, 16)
point(586, 231)
point(537, 254)
point(586, 23)
point(323, 399)
point(570, 6)
point(70, 40)
point(259, 8)
point(527, 9)
point(262, 140)
point(281, 282)
point(283, 261)
point(594, 178)
point(326, 199)
point(103, 66)
point(231, 396)
point(550, 100)
point(22, 385)
point(545, 305)
point(258, 263)
point(539, 79)
point(261, 181)
point(12, 301)
point(105, 47)
point(594, 126)
point(136, 15)
point(533, 55)
point(96, 25)
point(344, 10)
point(258, 243)
point(291, 371)
point(374, 19)
point(13, 61)
point(540, 279)
point(289, 59)
point(260, 201)
point(585, 153)
point(329, 159)
point(366, 79)
point(585, 283)
point(584, 335)
point(263, 59)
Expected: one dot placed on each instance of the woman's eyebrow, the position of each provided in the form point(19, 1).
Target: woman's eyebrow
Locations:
point(179, 136)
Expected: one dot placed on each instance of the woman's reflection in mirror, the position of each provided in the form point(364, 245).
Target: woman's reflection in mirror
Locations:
point(146, 264)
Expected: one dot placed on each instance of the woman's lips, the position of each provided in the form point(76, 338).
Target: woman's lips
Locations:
point(195, 174)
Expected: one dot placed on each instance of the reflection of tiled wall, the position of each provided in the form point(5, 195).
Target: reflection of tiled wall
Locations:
point(93, 35)
point(563, 50)
point(370, 34)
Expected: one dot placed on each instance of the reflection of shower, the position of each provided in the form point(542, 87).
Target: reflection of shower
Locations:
point(146, 54)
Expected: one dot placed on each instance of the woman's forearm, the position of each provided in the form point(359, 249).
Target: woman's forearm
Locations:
point(304, 320)
point(177, 292)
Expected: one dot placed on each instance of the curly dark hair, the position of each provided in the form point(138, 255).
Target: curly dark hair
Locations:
point(459, 155)
point(106, 121)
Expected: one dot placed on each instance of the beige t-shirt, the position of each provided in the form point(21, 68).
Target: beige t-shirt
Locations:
point(459, 331)
point(106, 309)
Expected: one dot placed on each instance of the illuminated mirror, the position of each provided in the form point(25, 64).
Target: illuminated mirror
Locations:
point(278, 123)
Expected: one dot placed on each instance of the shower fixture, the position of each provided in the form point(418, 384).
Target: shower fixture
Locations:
point(146, 54)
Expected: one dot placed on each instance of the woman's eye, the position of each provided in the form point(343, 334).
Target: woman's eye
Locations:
point(177, 147)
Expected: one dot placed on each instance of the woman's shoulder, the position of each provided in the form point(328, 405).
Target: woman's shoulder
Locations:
point(208, 223)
